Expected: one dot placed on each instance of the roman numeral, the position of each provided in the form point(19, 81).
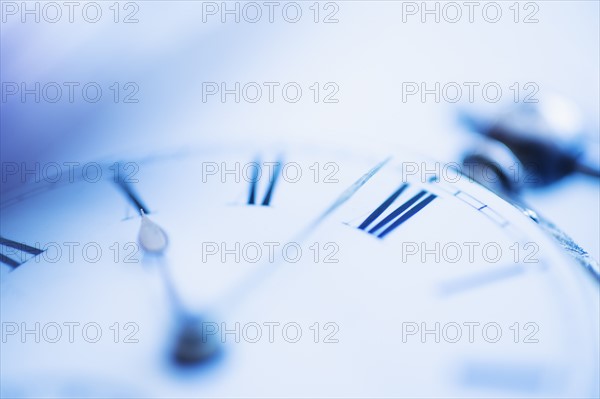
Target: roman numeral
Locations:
point(252, 200)
point(19, 252)
point(400, 215)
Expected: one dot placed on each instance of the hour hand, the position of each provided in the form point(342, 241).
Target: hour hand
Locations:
point(192, 345)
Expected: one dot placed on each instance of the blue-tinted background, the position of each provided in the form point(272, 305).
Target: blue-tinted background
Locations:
point(369, 52)
point(170, 49)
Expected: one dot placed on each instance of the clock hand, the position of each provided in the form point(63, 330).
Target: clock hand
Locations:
point(264, 270)
point(151, 237)
point(343, 197)
point(192, 345)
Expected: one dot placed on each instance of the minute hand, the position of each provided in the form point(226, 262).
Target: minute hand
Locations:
point(265, 271)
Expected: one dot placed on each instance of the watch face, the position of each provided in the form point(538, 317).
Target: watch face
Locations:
point(299, 199)
point(246, 270)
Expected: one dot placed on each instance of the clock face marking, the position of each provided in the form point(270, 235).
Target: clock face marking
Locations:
point(133, 197)
point(400, 215)
point(188, 308)
point(346, 195)
point(386, 204)
point(22, 250)
point(256, 177)
point(480, 280)
point(519, 377)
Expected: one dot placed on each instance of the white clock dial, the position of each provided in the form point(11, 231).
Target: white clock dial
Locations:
point(328, 272)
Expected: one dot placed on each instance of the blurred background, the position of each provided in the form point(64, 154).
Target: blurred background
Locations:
point(90, 80)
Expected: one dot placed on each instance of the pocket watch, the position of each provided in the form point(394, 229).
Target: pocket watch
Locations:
point(254, 270)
